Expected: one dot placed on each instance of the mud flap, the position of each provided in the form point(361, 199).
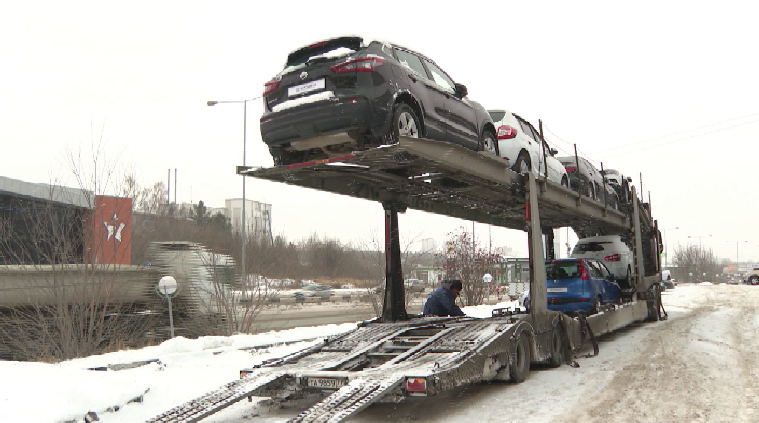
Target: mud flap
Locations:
point(568, 353)
point(587, 333)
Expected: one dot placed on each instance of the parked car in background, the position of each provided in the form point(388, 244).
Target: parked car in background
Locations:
point(610, 249)
point(577, 285)
point(522, 146)
point(317, 291)
point(348, 93)
point(414, 285)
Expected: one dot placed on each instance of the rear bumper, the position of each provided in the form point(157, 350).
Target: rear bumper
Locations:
point(322, 118)
point(569, 304)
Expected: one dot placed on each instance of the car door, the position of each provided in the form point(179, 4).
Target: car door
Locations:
point(461, 116)
point(612, 291)
point(433, 101)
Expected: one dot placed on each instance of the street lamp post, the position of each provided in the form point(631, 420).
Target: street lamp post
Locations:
point(699, 239)
point(243, 229)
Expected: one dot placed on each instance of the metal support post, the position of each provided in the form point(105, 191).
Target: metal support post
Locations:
point(394, 303)
point(538, 301)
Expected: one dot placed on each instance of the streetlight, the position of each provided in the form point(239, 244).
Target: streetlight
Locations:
point(666, 248)
point(699, 239)
point(244, 147)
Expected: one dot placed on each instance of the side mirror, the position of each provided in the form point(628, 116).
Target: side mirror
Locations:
point(460, 90)
point(554, 151)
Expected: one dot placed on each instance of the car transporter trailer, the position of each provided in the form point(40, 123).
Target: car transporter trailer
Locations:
point(397, 355)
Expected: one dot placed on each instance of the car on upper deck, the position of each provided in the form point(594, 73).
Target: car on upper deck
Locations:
point(525, 149)
point(349, 93)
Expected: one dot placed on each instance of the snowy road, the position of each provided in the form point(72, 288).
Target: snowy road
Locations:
point(701, 365)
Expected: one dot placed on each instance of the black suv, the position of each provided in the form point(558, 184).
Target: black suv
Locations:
point(346, 94)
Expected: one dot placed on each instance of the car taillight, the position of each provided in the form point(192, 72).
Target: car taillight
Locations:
point(361, 64)
point(270, 86)
point(570, 169)
point(613, 257)
point(583, 271)
point(506, 132)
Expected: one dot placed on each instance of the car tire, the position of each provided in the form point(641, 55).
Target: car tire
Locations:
point(520, 359)
point(591, 191)
point(405, 123)
point(629, 278)
point(557, 346)
point(565, 182)
point(488, 142)
point(523, 164)
point(753, 280)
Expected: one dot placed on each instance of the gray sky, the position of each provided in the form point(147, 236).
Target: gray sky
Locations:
point(664, 89)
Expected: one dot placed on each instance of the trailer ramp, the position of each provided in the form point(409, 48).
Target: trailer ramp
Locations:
point(349, 399)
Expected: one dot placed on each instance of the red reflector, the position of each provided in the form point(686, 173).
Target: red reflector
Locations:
point(613, 257)
point(361, 64)
point(316, 162)
point(505, 132)
point(270, 86)
point(527, 212)
point(416, 384)
point(351, 99)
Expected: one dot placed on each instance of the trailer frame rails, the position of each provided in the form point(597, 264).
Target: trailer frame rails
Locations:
point(396, 356)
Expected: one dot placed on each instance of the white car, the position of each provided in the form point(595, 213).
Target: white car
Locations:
point(612, 251)
point(520, 143)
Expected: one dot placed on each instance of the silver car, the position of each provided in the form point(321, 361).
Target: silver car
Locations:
point(522, 146)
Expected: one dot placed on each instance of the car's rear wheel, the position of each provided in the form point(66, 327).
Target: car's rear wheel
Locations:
point(753, 280)
point(557, 346)
point(565, 181)
point(520, 359)
point(522, 165)
point(405, 123)
point(591, 190)
point(488, 143)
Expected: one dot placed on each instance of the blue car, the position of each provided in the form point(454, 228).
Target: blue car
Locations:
point(579, 285)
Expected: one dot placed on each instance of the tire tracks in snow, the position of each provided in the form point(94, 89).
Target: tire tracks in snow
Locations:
point(699, 367)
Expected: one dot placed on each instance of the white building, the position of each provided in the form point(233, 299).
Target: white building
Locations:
point(257, 217)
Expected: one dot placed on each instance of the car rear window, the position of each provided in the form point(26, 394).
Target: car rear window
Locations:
point(589, 247)
point(497, 115)
point(303, 54)
point(562, 270)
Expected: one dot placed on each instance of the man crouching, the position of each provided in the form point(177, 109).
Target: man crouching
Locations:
point(442, 301)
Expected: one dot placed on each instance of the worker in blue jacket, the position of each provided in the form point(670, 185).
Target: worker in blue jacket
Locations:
point(442, 301)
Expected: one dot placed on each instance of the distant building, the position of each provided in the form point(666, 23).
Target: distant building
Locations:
point(257, 219)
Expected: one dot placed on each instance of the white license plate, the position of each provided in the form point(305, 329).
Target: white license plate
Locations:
point(557, 289)
point(306, 88)
point(325, 383)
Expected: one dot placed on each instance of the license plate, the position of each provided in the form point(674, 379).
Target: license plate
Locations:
point(557, 289)
point(325, 383)
point(306, 88)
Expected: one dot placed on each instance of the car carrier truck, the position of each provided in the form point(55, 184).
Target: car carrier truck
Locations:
point(398, 355)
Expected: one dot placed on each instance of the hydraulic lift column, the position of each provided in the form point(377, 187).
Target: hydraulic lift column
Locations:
point(394, 303)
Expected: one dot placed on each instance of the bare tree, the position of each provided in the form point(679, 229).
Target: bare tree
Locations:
point(695, 263)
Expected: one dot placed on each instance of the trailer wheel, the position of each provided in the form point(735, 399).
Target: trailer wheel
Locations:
point(520, 360)
point(557, 346)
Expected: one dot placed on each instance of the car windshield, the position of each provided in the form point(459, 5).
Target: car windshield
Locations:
point(562, 270)
point(497, 115)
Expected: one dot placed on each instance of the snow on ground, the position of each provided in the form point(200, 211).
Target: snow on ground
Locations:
point(182, 369)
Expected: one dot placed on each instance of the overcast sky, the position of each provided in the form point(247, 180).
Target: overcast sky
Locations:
point(664, 89)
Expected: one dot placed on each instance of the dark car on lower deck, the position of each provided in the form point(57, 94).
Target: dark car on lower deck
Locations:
point(345, 94)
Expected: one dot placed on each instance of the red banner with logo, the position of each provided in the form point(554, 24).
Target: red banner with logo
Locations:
point(109, 239)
